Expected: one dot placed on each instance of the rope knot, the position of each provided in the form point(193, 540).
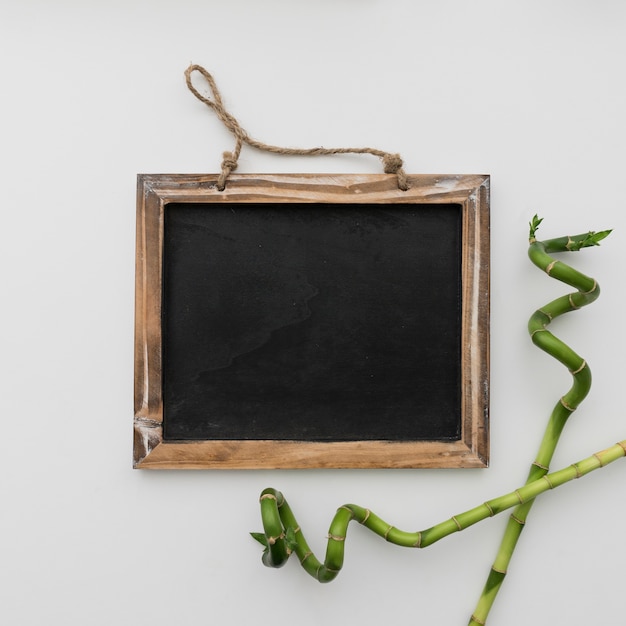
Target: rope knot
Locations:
point(392, 163)
point(229, 161)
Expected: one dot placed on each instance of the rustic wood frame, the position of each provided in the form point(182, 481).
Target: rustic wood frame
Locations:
point(154, 192)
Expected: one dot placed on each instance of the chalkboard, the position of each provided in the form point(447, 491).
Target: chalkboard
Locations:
point(312, 322)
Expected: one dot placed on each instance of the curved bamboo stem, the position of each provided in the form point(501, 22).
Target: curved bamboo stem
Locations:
point(588, 291)
point(282, 535)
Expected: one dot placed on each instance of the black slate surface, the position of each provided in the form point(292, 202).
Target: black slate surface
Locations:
point(312, 322)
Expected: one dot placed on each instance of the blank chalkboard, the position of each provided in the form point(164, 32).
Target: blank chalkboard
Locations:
point(316, 322)
point(309, 324)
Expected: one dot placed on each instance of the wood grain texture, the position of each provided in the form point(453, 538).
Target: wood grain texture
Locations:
point(154, 192)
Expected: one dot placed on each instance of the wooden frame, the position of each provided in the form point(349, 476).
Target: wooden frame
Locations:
point(155, 192)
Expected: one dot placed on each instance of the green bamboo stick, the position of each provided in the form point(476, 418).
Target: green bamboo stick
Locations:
point(282, 535)
point(588, 291)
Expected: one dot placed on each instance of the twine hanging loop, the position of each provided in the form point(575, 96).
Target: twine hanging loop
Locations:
point(392, 162)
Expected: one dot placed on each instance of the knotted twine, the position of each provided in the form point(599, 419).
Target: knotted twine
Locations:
point(392, 163)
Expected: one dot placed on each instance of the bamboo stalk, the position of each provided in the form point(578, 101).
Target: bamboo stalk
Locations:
point(588, 291)
point(282, 535)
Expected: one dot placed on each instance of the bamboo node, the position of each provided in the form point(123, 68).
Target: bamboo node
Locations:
point(306, 556)
point(521, 522)
point(599, 459)
point(456, 521)
point(548, 481)
point(622, 445)
point(550, 267)
point(387, 532)
point(539, 330)
point(546, 314)
point(418, 543)
point(335, 537)
point(577, 469)
point(272, 540)
point(580, 369)
point(595, 286)
point(267, 496)
point(571, 302)
point(540, 466)
point(347, 508)
point(478, 621)
point(566, 406)
point(519, 497)
point(367, 516)
point(491, 511)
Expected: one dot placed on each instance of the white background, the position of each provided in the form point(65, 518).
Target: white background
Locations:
point(91, 93)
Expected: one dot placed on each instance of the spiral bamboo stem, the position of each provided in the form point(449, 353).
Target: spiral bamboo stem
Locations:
point(588, 291)
point(282, 535)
